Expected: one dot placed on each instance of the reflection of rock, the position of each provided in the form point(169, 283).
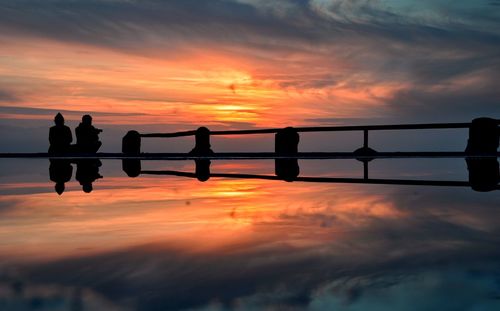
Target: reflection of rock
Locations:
point(484, 174)
point(51, 297)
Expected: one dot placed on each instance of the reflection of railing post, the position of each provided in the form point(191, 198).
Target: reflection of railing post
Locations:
point(287, 143)
point(202, 142)
point(365, 139)
point(484, 134)
point(202, 169)
point(365, 154)
point(484, 174)
point(131, 145)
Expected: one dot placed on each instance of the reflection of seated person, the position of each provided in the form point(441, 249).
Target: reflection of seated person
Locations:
point(87, 136)
point(60, 136)
point(60, 172)
point(87, 171)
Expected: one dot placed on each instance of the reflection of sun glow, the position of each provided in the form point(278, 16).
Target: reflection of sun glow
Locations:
point(180, 212)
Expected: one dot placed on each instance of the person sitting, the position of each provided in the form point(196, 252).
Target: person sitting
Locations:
point(87, 136)
point(60, 136)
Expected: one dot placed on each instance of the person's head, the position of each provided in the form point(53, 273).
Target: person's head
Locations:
point(87, 187)
point(59, 119)
point(87, 119)
point(59, 188)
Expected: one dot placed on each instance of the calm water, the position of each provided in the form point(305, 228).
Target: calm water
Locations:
point(175, 243)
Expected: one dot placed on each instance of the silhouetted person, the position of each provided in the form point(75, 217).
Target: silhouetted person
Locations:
point(87, 171)
point(60, 172)
point(87, 136)
point(60, 137)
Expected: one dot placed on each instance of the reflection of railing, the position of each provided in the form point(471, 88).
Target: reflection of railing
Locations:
point(481, 151)
point(249, 155)
point(484, 174)
point(375, 181)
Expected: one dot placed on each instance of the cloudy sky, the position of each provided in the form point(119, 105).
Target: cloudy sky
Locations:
point(170, 65)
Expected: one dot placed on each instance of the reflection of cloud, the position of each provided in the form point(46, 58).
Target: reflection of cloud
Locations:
point(20, 296)
point(264, 244)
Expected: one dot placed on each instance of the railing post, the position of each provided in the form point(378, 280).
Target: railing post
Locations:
point(131, 145)
point(287, 143)
point(484, 134)
point(202, 142)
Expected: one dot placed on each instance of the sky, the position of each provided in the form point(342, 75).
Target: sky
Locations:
point(173, 65)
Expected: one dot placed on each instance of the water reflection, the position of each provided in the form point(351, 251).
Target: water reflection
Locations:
point(87, 172)
point(484, 174)
point(153, 243)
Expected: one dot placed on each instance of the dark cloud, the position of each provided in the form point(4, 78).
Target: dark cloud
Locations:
point(422, 44)
point(53, 112)
point(455, 103)
point(7, 97)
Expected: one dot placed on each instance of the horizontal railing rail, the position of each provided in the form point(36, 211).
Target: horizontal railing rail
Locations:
point(321, 129)
point(378, 181)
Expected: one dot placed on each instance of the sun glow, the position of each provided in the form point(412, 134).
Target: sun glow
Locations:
point(212, 87)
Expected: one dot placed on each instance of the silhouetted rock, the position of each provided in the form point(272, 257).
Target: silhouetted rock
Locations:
point(87, 136)
point(60, 136)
